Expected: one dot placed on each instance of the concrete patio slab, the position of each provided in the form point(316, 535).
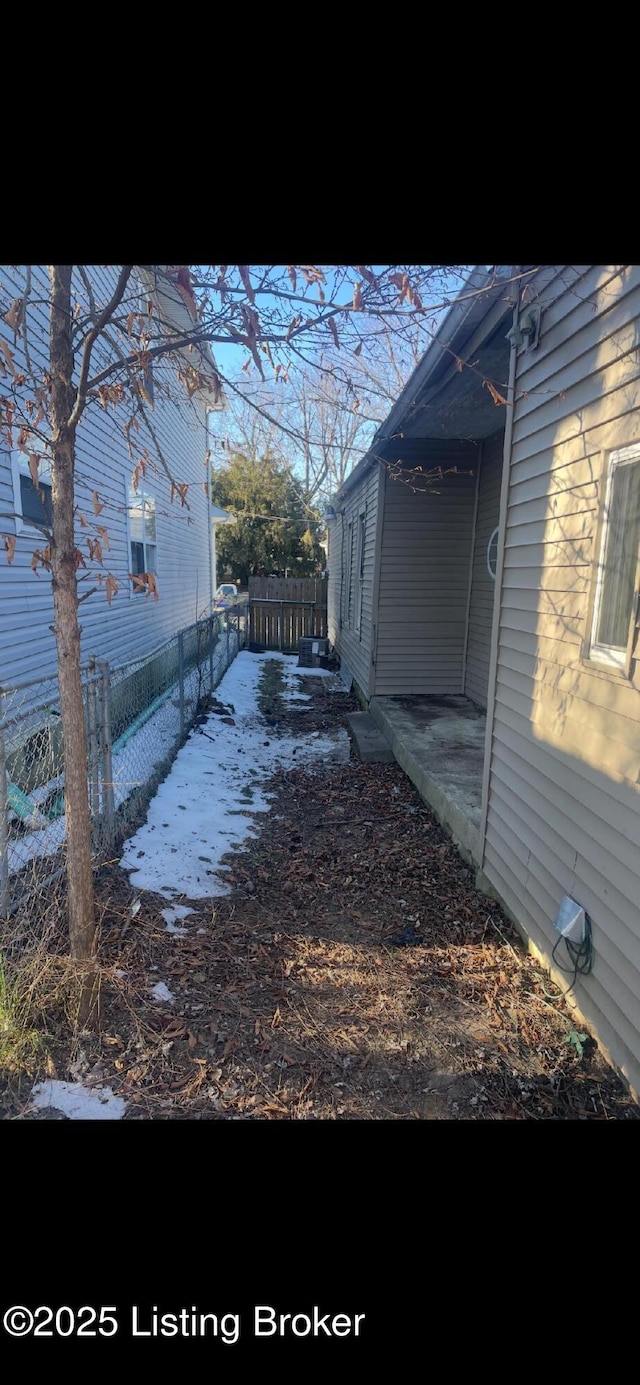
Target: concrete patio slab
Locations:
point(439, 743)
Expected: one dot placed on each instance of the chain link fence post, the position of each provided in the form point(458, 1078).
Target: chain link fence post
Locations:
point(4, 821)
point(181, 681)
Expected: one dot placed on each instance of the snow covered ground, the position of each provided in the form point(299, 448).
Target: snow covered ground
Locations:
point(136, 756)
point(205, 806)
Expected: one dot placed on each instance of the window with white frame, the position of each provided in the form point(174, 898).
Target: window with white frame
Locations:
point(141, 513)
point(617, 567)
point(348, 571)
point(362, 530)
point(31, 490)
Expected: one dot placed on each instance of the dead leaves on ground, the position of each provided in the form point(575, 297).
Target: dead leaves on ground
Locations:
point(292, 1004)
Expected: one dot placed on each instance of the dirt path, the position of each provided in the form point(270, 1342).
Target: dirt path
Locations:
point(352, 973)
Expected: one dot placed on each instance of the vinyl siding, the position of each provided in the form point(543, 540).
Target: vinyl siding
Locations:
point(483, 587)
point(354, 647)
point(564, 797)
point(133, 625)
point(424, 577)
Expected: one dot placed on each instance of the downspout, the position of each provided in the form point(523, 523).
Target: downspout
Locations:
point(471, 563)
point(341, 563)
point(377, 564)
point(212, 537)
point(497, 600)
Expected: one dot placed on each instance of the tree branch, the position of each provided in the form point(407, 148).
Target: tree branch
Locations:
point(103, 319)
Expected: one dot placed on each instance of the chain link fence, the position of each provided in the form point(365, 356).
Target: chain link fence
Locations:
point(136, 718)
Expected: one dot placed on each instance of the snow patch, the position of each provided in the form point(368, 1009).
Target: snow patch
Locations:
point(162, 992)
point(179, 911)
point(79, 1102)
point(208, 802)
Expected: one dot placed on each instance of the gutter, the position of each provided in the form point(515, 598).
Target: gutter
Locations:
point(497, 600)
point(212, 590)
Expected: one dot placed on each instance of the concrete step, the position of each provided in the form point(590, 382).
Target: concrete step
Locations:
point(372, 746)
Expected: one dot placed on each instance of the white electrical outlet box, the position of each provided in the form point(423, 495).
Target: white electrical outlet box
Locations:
point(570, 920)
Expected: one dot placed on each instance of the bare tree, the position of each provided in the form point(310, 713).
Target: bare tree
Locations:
point(314, 427)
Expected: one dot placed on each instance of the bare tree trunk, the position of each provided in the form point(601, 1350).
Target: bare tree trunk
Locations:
point(81, 908)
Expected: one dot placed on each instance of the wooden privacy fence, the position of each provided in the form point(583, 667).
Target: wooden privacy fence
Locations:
point(282, 610)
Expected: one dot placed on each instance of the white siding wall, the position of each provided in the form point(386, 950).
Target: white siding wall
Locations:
point(483, 586)
point(132, 625)
point(564, 795)
point(424, 578)
point(353, 646)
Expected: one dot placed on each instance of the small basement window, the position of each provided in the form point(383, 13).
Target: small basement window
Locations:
point(32, 504)
point(616, 571)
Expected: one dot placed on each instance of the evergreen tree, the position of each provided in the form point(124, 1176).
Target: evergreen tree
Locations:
point(275, 531)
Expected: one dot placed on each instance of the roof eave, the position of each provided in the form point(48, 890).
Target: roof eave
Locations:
point(470, 307)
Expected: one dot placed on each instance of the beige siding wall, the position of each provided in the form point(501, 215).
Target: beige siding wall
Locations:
point(350, 602)
point(132, 625)
point(483, 586)
point(564, 795)
point(424, 578)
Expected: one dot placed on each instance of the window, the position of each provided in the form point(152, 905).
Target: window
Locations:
point(32, 503)
point(362, 530)
point(349, 589)
point(141, 511)
point(492, 553)
point(616, 571)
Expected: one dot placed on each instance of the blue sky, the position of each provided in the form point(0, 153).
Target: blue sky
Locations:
point(231, 358)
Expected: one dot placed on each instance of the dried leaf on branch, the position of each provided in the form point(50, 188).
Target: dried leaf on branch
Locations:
point(110, 394)
point(367, 275)
point(95, 551)
point(145, 582)
point(15, 316)
point(34, 463)
point(497, 397)
point(111, 586)
point(8, 356)
point(41, 558)
point(243, 270)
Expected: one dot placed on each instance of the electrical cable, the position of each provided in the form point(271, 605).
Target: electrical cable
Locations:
point(581, 955)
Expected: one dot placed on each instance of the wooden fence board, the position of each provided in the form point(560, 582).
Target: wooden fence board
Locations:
point(283, 610)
